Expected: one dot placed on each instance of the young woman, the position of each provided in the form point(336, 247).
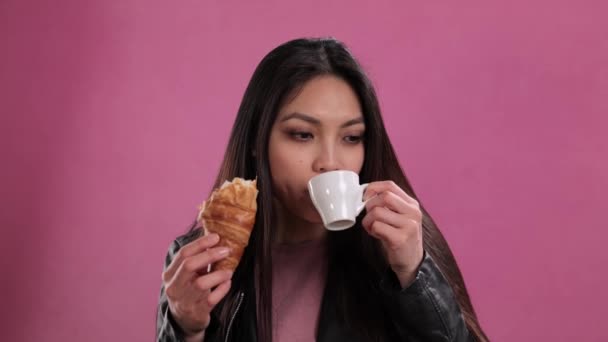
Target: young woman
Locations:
point(308, 109)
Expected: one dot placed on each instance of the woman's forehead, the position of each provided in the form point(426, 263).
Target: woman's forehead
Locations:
point(325, 98)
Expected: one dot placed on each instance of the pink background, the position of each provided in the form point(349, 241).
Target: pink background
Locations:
point(115, 114)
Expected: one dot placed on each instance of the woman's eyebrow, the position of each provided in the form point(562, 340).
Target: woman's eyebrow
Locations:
point(352, 122)
point(302, 117)
point(317, 122)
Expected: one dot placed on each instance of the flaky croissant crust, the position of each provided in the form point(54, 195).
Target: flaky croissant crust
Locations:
point(230, 212)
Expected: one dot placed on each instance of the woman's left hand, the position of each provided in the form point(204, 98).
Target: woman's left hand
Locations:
point(395, 219)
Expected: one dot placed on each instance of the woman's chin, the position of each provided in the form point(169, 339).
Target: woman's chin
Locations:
point(316, 220)
point(311, 216)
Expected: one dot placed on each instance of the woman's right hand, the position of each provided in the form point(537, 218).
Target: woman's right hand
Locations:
point(188, 285)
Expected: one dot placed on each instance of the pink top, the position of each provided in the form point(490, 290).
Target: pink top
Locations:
point(298, 281)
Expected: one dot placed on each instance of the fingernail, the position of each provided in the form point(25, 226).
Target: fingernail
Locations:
point(214, 237)
point(223, 251)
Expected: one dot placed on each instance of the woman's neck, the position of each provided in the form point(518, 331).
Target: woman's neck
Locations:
point(292, 229)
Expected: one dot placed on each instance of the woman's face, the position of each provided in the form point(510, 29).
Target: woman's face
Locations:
point(320, 130)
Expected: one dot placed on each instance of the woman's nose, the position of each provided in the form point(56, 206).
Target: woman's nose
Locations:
point(326, 160)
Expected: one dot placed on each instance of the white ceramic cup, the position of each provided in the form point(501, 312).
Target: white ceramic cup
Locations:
point(338, 198)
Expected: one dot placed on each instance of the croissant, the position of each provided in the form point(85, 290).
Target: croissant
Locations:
point(230, 212)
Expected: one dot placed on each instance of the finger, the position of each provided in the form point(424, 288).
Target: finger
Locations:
point(213, 279)
point(390, 236)
point(390, 200)
point(219, 293)
point(385, 215)
point(194, 264)
point(188, 250)
point(375, 188)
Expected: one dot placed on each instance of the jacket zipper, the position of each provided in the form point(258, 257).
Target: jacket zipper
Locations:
point(238, 306)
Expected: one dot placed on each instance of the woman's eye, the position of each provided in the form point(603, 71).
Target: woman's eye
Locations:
point(353, 139)
point(301, 136)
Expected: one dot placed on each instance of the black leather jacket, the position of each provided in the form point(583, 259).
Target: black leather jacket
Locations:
point(425, 311)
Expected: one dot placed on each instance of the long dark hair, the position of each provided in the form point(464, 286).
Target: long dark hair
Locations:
point(277, 78)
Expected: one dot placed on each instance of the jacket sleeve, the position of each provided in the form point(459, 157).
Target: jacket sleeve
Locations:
point(167, 329)
point(427, 310)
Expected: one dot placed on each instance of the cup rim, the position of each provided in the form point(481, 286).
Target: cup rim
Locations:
point(334, 171)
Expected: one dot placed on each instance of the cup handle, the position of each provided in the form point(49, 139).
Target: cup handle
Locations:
point(363, 203)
